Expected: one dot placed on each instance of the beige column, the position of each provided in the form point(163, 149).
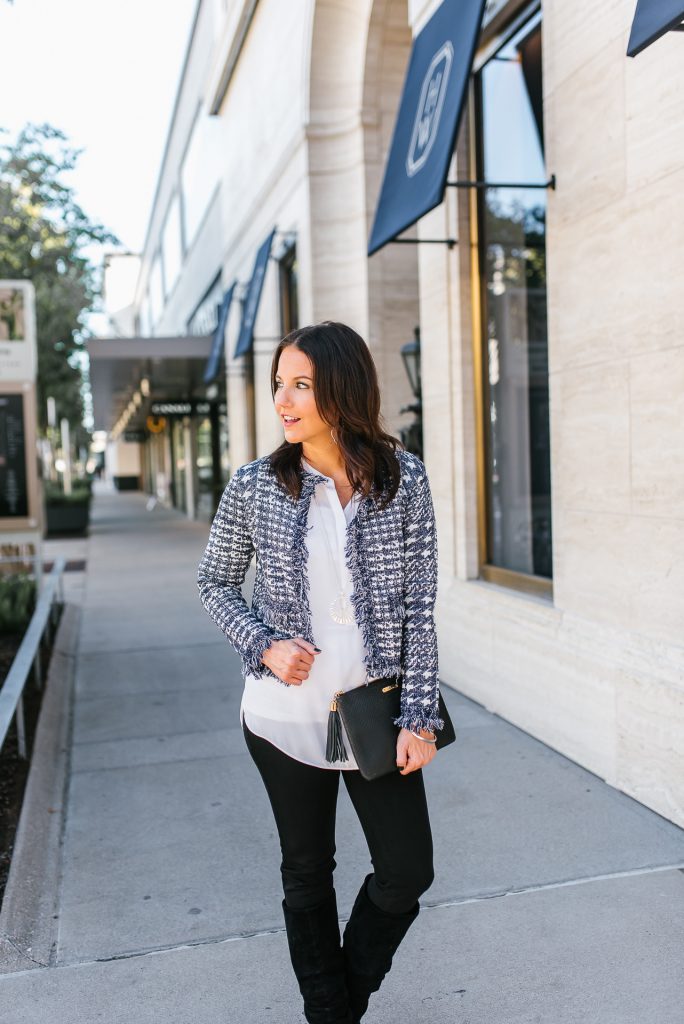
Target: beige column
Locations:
point(190, 448)
point(269, 433)
point(238, 397)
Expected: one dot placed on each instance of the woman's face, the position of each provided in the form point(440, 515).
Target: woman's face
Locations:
point(294, 397)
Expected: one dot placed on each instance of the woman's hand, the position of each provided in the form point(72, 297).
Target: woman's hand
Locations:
point(412, 753)
point(291, 660)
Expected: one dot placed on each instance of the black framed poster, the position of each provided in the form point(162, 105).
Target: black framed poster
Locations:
point(13, 482)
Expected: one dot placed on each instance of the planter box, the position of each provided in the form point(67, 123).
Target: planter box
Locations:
point(72, 519)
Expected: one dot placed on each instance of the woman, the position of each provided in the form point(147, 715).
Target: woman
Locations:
point(341, 519)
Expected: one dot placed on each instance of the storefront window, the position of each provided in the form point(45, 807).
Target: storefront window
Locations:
point(205, 471)
point(512, 233)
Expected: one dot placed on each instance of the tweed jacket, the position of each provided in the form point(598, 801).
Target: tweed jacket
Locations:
point(392, 559)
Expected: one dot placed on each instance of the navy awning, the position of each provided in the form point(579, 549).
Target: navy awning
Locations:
point(214, 360)
point(652, 19)
point(428, 119)
point(253, 298)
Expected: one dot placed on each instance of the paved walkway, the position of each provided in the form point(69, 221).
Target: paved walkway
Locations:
point(557, 899)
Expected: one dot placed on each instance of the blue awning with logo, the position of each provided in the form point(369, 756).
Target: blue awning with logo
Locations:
point(428, 119)
point(652, 19)
point(214, 360)
point(253, 298)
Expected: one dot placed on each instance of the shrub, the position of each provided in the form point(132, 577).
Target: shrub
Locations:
point(80, 493)
point(17, 602)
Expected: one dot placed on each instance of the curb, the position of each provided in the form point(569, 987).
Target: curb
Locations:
point(29, 914)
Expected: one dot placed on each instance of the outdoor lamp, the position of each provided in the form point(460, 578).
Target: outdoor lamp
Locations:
point(410, 353)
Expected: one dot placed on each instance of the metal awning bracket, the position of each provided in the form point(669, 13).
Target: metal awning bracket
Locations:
point(450, 242)
point(551, 183)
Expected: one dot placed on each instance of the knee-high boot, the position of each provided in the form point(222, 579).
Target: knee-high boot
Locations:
point(370, 940)
point(313, 936)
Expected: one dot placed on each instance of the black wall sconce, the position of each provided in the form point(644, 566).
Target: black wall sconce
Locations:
point(412, 434)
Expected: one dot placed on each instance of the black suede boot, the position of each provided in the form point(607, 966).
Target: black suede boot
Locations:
point(370, 940)
point(313, 936)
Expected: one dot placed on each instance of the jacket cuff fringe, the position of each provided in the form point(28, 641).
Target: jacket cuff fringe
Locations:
point(258, 644)
point(409, 720)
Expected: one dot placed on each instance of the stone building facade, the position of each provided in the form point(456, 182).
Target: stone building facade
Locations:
point(552, 333)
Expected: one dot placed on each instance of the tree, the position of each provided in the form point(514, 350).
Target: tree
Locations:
point(43, 235)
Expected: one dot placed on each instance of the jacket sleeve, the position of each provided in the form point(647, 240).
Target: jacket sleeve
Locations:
point(420, 683)
point(220, 576)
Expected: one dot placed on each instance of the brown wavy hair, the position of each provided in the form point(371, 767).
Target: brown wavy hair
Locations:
point(347, 396)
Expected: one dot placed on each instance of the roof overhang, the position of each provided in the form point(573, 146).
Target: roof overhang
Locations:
point(174, 367)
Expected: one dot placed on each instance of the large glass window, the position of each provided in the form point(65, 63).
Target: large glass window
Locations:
point(200, 172)
point(204, 317)
point(512, 235)
point(172, 245)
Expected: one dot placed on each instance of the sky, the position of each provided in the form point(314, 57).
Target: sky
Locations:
point(106, 74)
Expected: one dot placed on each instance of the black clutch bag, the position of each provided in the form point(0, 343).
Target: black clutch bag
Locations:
point(367, 713)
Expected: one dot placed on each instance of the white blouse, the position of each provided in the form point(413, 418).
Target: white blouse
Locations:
point(295, 718)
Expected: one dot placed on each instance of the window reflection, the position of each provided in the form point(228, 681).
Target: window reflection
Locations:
point(513, 268)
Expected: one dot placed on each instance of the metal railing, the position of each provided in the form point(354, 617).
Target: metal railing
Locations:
point(28, 655)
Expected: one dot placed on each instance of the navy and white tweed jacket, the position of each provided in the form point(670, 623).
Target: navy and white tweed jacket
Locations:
point(392, 559)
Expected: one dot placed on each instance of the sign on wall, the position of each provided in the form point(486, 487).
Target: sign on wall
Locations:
point(14, 502)
point(429, 115)
point(20, 495)
point(17, 331)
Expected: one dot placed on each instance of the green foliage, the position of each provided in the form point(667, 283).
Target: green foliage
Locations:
point(80, 493)
point(43, 235)
point(17, 602)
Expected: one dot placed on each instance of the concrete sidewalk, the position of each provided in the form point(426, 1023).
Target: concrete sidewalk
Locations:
point(557, 899)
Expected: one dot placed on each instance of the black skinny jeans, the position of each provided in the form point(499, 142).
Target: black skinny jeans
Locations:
point(393, 813)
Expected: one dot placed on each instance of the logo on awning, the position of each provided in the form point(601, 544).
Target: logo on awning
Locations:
point(432, 101)
point(430, 106)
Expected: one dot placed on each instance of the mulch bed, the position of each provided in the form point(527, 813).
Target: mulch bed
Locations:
point(13, 768)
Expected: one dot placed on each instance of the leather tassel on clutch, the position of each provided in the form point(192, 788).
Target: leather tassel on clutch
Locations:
point(335, 749)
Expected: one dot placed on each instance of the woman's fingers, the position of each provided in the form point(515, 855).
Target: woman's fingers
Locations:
point(304, 645)
point(412, 753)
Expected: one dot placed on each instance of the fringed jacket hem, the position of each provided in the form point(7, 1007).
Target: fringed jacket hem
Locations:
point(392, 558)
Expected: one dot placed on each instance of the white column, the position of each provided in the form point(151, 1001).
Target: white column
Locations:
point(269, 432)
point(190, 465)
point(239, 425)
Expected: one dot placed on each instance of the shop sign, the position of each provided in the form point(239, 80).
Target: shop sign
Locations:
point(185, 407)
point(17, 331)
point(427, 123)
point(155, 424)
point(178, 408)
point(14, 502)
